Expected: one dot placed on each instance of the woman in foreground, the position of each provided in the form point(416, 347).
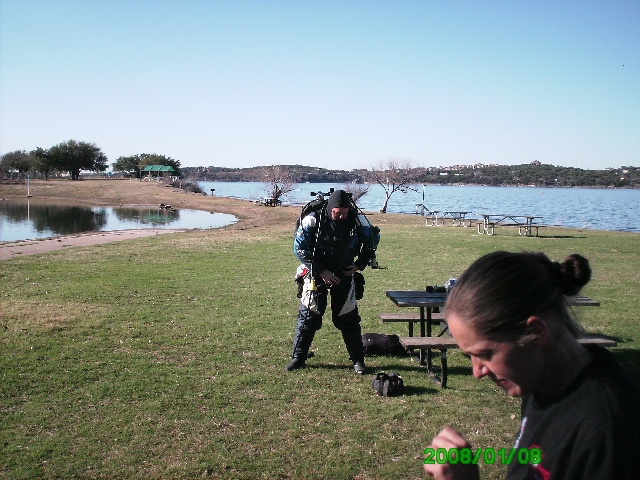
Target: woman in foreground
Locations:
point(580, 411)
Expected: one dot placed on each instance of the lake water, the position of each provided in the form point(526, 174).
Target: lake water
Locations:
point(23, 220)
point(597, 209)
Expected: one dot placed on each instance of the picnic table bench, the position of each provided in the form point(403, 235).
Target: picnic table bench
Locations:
point(410, 319)
point(426, 343)
point(445, 343)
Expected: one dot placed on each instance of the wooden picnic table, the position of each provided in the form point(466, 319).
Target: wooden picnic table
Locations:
point(427, 301)
point(525, 223)
point(270, 202)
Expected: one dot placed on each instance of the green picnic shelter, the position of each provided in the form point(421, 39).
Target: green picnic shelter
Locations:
point(161, 170)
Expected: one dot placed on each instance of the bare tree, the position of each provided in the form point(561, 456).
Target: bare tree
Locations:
point(394, 175)
point(278, 180)
point(356, 190)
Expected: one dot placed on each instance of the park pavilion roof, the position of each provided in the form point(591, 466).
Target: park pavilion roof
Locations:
point(158, 168)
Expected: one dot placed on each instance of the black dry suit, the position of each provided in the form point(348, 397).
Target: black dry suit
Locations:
point(322, 243)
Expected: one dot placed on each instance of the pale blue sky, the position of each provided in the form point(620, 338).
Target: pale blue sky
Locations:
point(335, 84)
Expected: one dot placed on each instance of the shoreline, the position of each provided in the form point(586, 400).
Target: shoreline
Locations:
point(252, 219)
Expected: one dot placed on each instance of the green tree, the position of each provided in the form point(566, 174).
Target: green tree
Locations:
point(130, 165)
point(75, 156)
point(134, 164)
point(19, 160)
point(43, 163)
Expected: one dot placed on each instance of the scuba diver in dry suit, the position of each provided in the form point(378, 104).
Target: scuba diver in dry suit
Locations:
point(334, 244)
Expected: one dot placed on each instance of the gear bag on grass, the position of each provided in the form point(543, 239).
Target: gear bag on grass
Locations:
point(388, 385)
point(382, 344)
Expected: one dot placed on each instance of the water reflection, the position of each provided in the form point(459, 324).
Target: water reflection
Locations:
point(150, 216)
point(22, 220)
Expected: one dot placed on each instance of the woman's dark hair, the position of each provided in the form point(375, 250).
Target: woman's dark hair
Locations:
point(501, 290)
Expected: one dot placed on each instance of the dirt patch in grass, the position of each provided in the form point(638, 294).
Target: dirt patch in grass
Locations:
point(30, 316)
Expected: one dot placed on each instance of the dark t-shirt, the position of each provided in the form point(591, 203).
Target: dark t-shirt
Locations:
point(591, 430)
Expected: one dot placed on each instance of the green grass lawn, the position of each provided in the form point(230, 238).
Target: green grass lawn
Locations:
point(164, 358)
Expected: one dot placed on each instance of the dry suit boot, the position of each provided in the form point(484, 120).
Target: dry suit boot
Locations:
point(355, 348)
point(295, 364)
point(360, 368)
point(301, 345)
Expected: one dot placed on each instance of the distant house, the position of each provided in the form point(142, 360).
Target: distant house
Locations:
point(160, 171)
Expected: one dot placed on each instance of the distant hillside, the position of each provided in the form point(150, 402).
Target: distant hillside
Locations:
point(536, 173)
point(298, 174)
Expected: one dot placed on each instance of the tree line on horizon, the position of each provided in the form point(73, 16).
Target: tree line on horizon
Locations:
point(76, 157)
point(534, 174)
point(401, 176)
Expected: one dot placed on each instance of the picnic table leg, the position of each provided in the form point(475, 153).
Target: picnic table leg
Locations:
point(429, 352)
point(443, 360)
point(444, 370)
point(423, 327)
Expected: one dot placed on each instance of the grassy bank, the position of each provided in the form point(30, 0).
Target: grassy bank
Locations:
point(164, 357)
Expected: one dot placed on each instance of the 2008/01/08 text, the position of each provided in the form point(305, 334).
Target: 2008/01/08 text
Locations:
point(466, 456)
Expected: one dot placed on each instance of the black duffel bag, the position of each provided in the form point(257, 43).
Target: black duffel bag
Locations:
point(382, 344)
point(390, 385)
